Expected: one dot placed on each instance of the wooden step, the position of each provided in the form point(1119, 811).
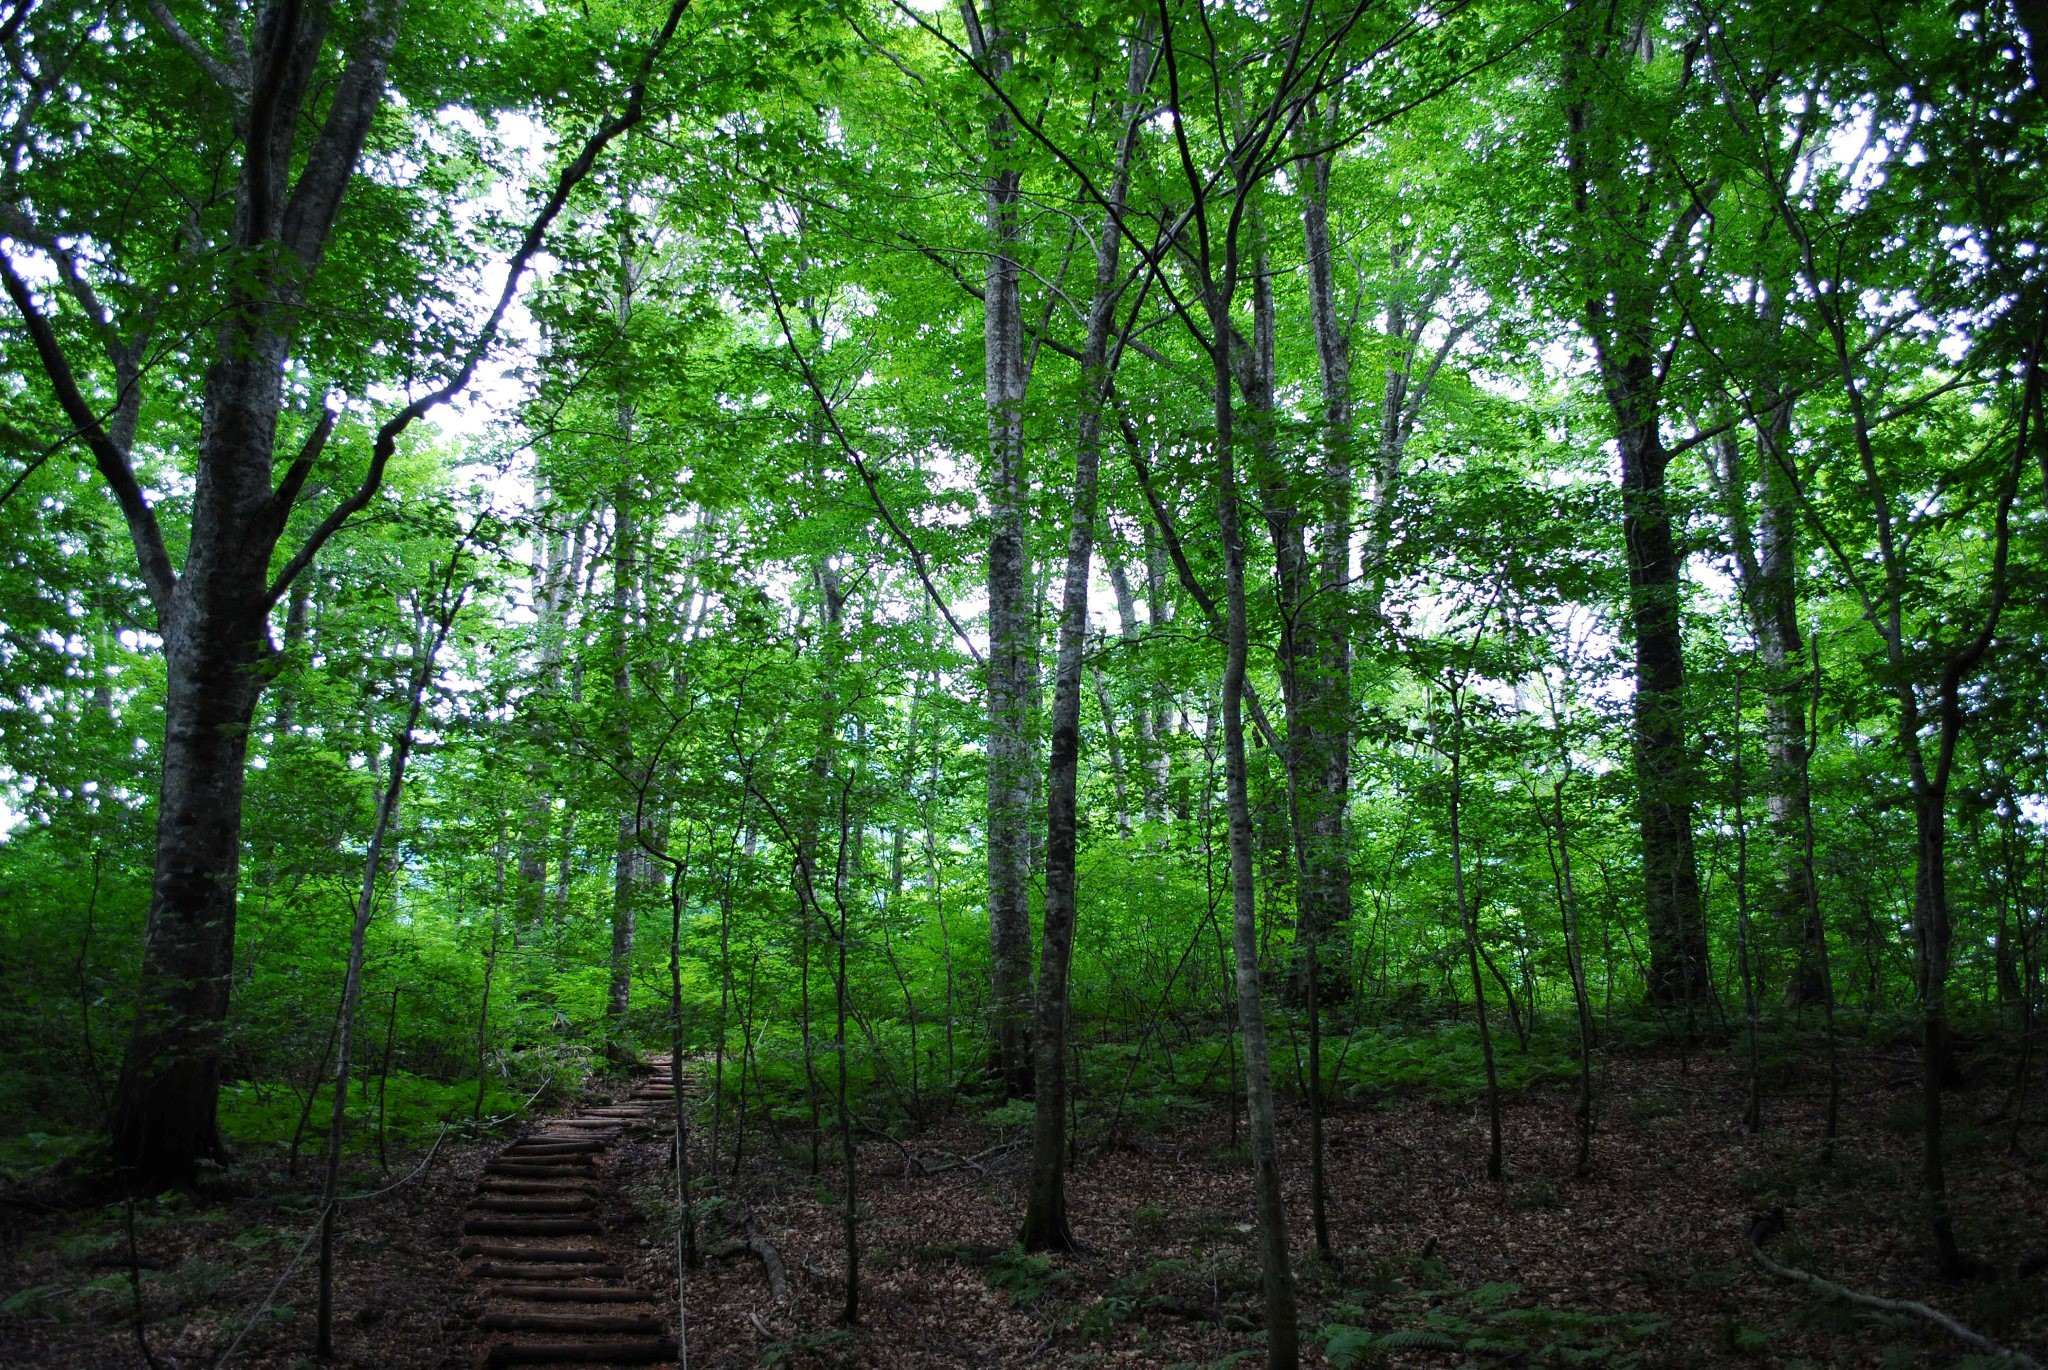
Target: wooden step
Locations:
point(535, 1203)
point(531, 1227)
point(502, 1270)
point(602, 1324)
point(585, 1123)
point(560, 1184)
point(538, 1170)
point(560, 1143)
point(553, 1255)
point(651, 1351)
point(567, 1293)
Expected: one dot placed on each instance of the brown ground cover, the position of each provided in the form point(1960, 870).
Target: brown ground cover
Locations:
point(1643, 1263)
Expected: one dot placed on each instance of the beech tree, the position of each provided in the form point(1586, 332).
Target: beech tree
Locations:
point(290, 101)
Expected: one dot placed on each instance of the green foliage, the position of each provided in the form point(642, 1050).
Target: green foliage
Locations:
point(1405, 1307)
point(706, 706)
point(1026, 1278)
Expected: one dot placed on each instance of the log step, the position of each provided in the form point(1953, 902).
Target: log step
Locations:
point(555, 1255)
point(584, 1122)
point(567, 1293)
point(534, 1203)
point(651, 1351)
point(498, 1270)
point(564, 1143)
point(612, 1324)
point(561, 1184)
point(534, 1170)
point(530, 1227)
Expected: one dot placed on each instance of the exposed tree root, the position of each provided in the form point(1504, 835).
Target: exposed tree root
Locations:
point(763, 1250)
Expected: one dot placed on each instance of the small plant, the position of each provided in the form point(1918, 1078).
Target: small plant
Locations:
point(1024, 1277)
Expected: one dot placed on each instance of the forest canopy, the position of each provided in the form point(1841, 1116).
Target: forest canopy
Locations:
point(1087, 571)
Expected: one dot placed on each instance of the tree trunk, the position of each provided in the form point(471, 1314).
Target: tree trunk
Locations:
point(1012, 632)
point(1663, 770)
point(1626, 257)
point(1159, 613)
point(434, 633)
point(1276, 1273)
point(1766, 563)
point(1045, 1212)
point(1931, 937)
point(212, 612)
point(1327, 786)
point(1468, 922)
point(164, 1125)
point(626, 856)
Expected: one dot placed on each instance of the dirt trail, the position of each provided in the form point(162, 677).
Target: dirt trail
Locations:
point(551, 1290)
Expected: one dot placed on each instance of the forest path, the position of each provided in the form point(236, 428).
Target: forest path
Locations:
point(552, 1292)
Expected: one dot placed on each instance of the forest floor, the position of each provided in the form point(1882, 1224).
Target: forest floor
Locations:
point(1643, 1263)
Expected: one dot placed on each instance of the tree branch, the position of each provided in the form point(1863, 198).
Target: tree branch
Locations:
point(219, 72)
point(1764, 1229)
point(853, 455)
point(386, 442)
point(112, 461)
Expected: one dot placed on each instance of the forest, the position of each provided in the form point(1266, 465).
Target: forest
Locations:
point(1195, 683)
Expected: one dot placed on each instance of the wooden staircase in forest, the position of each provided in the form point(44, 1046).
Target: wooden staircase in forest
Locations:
point(552, 1293)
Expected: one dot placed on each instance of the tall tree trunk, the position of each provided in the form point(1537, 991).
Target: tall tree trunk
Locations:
point(1766, 564)
point(1663, 769)
point(1276, 1272)
point(434, 633)
point(1468, 923)
point(1788, 803)
point(626, 856)
point(164, 1125)
point(1627, 259)
point(1932, 933)
point(1012, 631)
point(1328, 787)
point(824, 764)
point(1159, 613)
point(1045, 1212)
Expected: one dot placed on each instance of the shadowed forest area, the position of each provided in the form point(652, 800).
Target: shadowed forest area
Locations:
point(1145, 682)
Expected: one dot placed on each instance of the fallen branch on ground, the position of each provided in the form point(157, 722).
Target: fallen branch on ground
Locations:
point(1769, 1226)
